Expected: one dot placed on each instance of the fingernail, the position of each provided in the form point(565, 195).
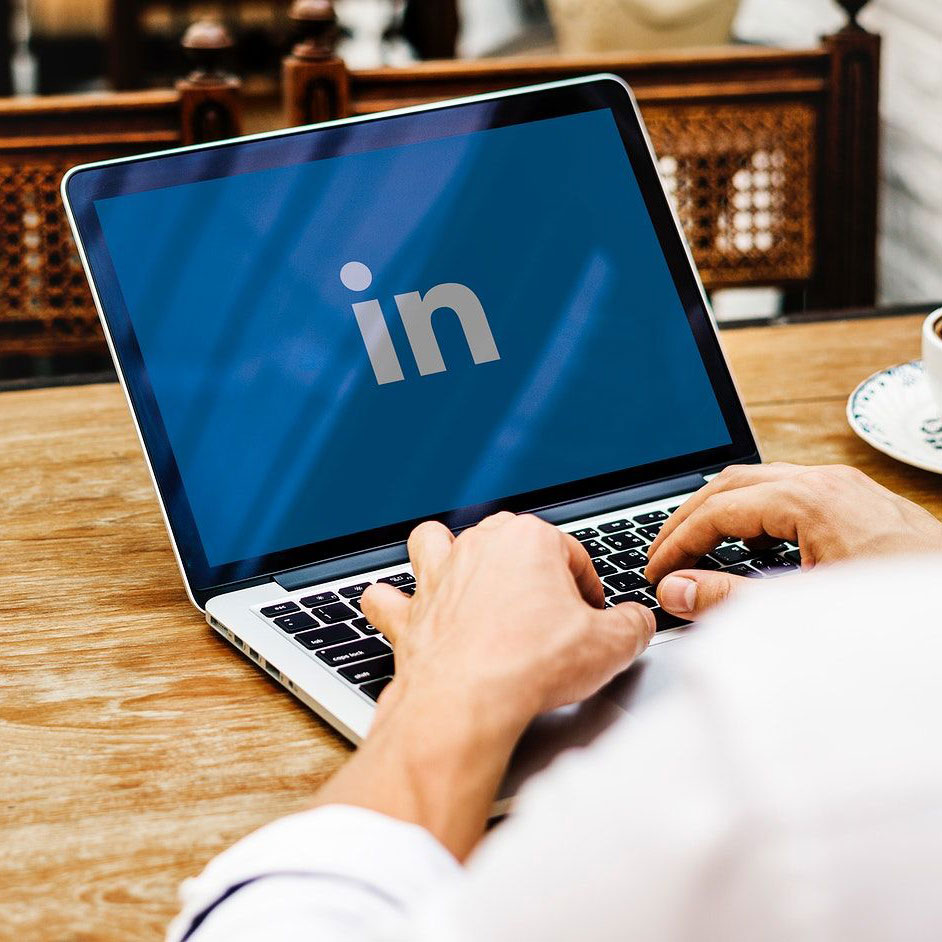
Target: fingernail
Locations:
point(678, 595)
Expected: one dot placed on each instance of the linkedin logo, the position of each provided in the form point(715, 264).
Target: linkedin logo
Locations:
point(415, 312)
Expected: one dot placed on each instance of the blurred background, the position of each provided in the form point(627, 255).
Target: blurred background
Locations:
point(800, 178)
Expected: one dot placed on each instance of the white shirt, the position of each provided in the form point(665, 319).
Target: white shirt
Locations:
point(788, 787)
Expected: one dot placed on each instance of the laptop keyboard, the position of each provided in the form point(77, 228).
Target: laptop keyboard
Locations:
point(331, 627)
point(622, 545)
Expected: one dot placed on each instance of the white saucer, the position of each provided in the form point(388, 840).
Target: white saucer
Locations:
point(893, 410)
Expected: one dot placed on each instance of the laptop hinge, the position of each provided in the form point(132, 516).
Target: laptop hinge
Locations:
point(632, 496)
point(332, 569)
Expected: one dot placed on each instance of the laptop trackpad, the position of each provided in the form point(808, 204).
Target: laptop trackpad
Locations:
point(579, 724)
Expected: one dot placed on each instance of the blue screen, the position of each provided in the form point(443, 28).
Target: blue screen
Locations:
point(302, 406)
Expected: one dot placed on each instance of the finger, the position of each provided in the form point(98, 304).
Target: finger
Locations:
point(429, 547)
point(496, 520)
point(633, 626)
point(771, 509)
point(691, 592)
point(386, 608)
point(580, 565)
point(735, 476)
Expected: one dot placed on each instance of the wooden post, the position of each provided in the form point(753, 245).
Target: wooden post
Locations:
point(316, 83)
point(6, 48)
point(209, 97)
point(124, 43)
point(847, 230)
point(431, 26)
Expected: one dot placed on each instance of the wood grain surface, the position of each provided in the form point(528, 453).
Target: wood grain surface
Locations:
point(135, 745)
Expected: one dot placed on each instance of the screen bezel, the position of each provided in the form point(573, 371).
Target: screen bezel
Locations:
point(84, 185)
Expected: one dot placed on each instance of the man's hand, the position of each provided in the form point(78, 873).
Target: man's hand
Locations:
point(832, 512)
point(509, 613)
point(507, 622)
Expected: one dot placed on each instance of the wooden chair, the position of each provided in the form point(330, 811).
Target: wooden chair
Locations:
point(46, 309)
point(141, 36)
point(771, 156)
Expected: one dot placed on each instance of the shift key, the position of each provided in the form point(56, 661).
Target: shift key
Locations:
point(369, 670)
point(357, 651)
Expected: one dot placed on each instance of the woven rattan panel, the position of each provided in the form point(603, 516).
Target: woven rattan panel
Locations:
point(742, 180)
point(45, 304)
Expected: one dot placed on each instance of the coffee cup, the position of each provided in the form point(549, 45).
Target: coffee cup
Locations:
point(932, 355)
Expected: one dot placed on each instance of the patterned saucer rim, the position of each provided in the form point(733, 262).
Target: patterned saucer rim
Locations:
point(882, 444)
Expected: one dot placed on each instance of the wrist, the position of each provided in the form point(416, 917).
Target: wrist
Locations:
point(430, 759)
point(482, 714)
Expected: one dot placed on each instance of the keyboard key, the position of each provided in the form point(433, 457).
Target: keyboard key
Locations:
point(335, 612)
point(728, 555)
point(375, 687)
point(595, 549)
point(793, 556)
point(773, 565)
point(356, 604)
point(630, 559)
point(708, 562)
point(353, 591)
point(652, 516)
point(368, 670)
point(322, 598)
point(607, 590)
point(623, 541)
point(399, 579)
point(743, 570)
point(618, 599)
point(626, 581)
point(615, 526)
point(330, 634)
point(651, 531)
point(586, 533)
point(603, 567)
point(408, 589)
point(360, 650)
point(642, 598)
point(671, 510)
point(279, 608)
point(296, 622)
point(361, 624)
point(666, 621)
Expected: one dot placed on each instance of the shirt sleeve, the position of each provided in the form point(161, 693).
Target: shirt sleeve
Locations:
point(336, 872)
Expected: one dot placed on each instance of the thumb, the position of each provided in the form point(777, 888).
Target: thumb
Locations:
point(633, 626)
point(693, 591)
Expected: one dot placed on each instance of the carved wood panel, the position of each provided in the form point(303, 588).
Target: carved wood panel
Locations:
point(45, 303)
point(742, 179)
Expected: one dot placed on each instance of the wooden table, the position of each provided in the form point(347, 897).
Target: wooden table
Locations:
point(135, 744)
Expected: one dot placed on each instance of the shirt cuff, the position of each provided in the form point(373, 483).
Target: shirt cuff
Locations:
point(382, 855)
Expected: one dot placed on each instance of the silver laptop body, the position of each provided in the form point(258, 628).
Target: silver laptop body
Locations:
point(295, 612)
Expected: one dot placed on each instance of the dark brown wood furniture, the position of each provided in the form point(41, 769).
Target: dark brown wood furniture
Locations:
point(771, 155)
point(6, 47)
point(46, 309)
point(142, 37)
point(431, 27)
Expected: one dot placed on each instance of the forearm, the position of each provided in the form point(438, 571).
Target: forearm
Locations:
point(431, 759)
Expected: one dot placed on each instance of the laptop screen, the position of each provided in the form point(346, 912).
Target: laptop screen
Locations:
point(345, 344)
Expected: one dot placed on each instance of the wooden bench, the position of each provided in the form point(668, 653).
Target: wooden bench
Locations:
point(771, 155)
point(46, 309)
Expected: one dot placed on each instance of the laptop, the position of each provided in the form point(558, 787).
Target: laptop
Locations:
point(329, 334)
